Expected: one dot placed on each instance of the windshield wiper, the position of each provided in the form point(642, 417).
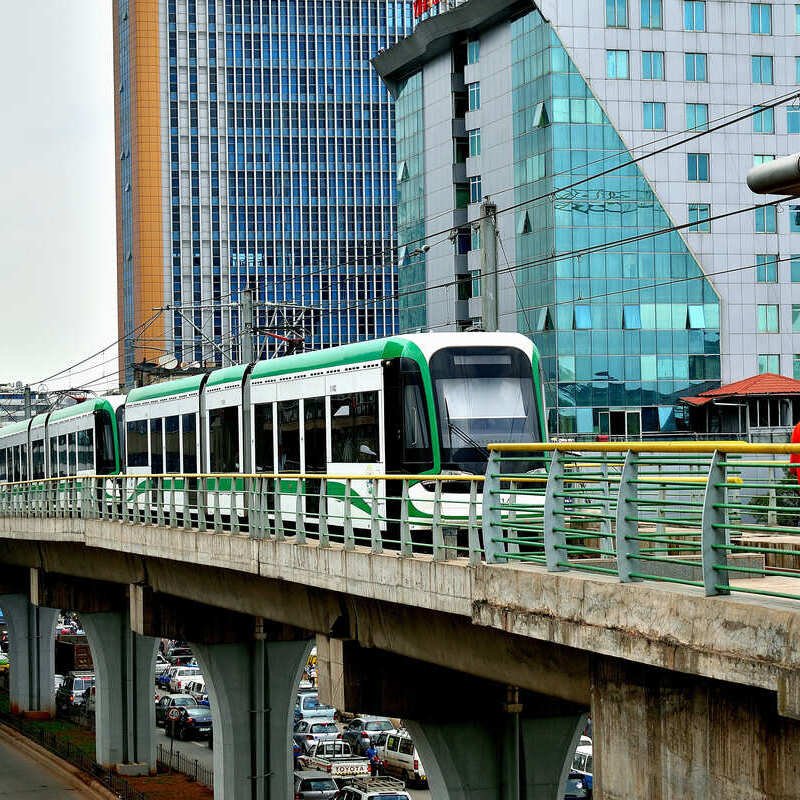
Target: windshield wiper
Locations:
point(465, 437)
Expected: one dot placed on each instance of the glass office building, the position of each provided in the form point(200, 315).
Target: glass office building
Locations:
point(256, 151)
point(628, 247)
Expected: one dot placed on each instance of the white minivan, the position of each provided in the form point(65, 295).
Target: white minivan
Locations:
point(400, 758)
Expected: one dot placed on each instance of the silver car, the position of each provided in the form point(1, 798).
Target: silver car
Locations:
point(312, 784)
point(308, 732)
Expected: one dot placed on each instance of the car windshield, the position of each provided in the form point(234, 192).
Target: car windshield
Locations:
point(82, 683)
point(324, 727)
point(311, 702)
point(185, 701)
point(483, 395)
point(197, 711)
point(318, 785)
point(380, 725)
point(388, 797)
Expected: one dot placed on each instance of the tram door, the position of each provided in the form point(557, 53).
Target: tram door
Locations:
point(623, 423)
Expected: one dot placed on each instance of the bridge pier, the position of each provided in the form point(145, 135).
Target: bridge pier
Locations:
point(31, 636)
point(252, 688)
point(124, 710)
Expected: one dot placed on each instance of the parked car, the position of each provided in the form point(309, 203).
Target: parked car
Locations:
point(576, 788)
point(188, 722)
point(311, 784)
point(308, 706)
point(178, 656)
point(582, 766)
point(161, 664)
point(182, 677)
point(373, 789)
point(308, 732)
point(3, 662)
point(162, 681)
point(71, 693)
point(363, 731)
point(197, 689)
point(400, 758)
point(165, 703)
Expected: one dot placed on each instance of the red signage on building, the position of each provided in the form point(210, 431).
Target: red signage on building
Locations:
point(421, 6)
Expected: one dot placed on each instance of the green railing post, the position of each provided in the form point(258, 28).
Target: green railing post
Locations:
point(374, 518)
point(492, 522)
point(714, 533)
point(406, 542)
point(280, 533)
point(437, 537)
point(234, 506)
point(324, 536)
point(158, 491)
point(299, 516)
point(349, 538)
point(473, 536)
point(554, 540)
point(627, 528)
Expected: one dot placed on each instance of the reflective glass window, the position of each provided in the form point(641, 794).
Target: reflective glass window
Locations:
point(137, 443)
point(696, 116)
point(473, 96)
point(263, 427)
point(289, 436)
point(473, 51)
point(765, 219)
point(617, 64)
point(354, 428)
point(767, 268)
point(795, 319)
point(583, 317)
point(653, 65)
point(769, 362)
point(474, 137)
point(696, 66)
point(172, 444)
point(793, 119)
point(475, 192)
point(764, 120)
point(762, 159)
point(794, 266)
point(794, 218)
point(652, 14)
point(653, 116)
point(156, 446)
point(697, 166)
point(796, 366)
point(223, 439)
point(617, 13)
point(699, 214)
point(767, 316)
point(694, 15)
point(761, 69)
point(761, 18)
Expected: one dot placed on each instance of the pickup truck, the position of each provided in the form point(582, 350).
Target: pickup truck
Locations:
point(336, 758)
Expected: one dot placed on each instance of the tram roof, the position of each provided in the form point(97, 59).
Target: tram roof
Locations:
point(155, 391)
point(79, 408)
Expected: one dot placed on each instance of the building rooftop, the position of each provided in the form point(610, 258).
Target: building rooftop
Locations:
point(768, 384)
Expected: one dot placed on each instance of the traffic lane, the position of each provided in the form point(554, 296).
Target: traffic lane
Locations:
point(420, 794)
point(191, 748)
point(36, 778)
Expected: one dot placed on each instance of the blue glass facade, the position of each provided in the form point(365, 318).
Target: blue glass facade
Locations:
point(623, 316)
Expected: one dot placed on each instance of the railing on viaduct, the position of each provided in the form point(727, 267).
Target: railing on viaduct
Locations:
point(722, 516)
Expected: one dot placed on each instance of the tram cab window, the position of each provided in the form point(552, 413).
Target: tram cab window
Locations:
point(289, 436)
point(63, 467)
point(137, 443)
point(189, 432)
point(53, 456)
point(172, 440)
point(223, 432)
point(105, 462)
point(37, 458)
point(3, 472)
point(86, 450)
point(314, 430)
point(17, 470)
point(73, 453)
point(23, 461)
point(355, 433)
point(156, 446)
point(263, 426)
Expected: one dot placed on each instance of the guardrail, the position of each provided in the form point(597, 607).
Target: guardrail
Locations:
point(169, 759)
point(722, 516)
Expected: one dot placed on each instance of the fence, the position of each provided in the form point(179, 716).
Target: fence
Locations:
point(169, 759)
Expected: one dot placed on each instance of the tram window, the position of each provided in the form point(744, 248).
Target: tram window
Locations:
point(86, 450)
point(354, 427)
point(223, 430)
point(63, 469)
point(156, 446)
point(137, 443)
point(23, 460)
point(15, 462)
point(314, 430)
point(189, 426)
point(289, 436)
point(3, 473)
point(263, 426)
point(37, 457)
point(73, 453)
point(172, 438)
point(105, 463)
point(53, 456)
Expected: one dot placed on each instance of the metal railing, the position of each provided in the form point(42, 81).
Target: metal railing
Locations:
point(174, 760)
point(721, 516)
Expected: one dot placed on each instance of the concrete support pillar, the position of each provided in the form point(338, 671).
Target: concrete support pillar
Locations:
point(31, 636)
point(124, 710)
point(679, 737)
point(507, 757)
point(252, 688)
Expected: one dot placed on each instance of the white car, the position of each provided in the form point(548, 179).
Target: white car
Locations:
point(401, 758)
point(182, 677)
point(373, 789)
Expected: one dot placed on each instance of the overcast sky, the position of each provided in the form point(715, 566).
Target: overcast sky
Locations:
point(57, 205)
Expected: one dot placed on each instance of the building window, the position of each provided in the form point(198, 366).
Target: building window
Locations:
point(761, 67)
point(795, 268)
point(793, 119)
point(474, 142)
point(475, 194)
point(768, 318)
point(761, 18)
point(697, 166)
point(583, 318)
point(695, 64)
point(794, 219)
point(797, 19)
point(796, 367)
point(764, 120)
point(762, 158)
point(631, 317)
point(767, 268)
point(696, 116)
point(617, 13)
point(473, 96)
point(654, 116)
point(652, 16)
point(617, 64)
point(699, 214)
point(795, 319)
point(766, 219)
point(653, 65)
point(797, 69)
point(473, 51)
point(769, 362)
point(694, 15)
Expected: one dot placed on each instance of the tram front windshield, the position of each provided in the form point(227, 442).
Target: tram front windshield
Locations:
point(483, 395)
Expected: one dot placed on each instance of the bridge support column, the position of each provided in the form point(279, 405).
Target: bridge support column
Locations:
point(31, 636)
point(124, 710)
point(252, 688)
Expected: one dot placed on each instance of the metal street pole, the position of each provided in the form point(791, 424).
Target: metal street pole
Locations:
point(246, 327)
point(489, 265)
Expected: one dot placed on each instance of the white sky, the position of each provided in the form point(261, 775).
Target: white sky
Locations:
point(58, 300)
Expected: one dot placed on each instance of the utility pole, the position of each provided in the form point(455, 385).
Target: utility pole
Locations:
point(246, 326)
point(489, 265)
point(27, 396)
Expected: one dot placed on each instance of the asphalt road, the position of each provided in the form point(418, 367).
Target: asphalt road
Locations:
point(24, 776)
